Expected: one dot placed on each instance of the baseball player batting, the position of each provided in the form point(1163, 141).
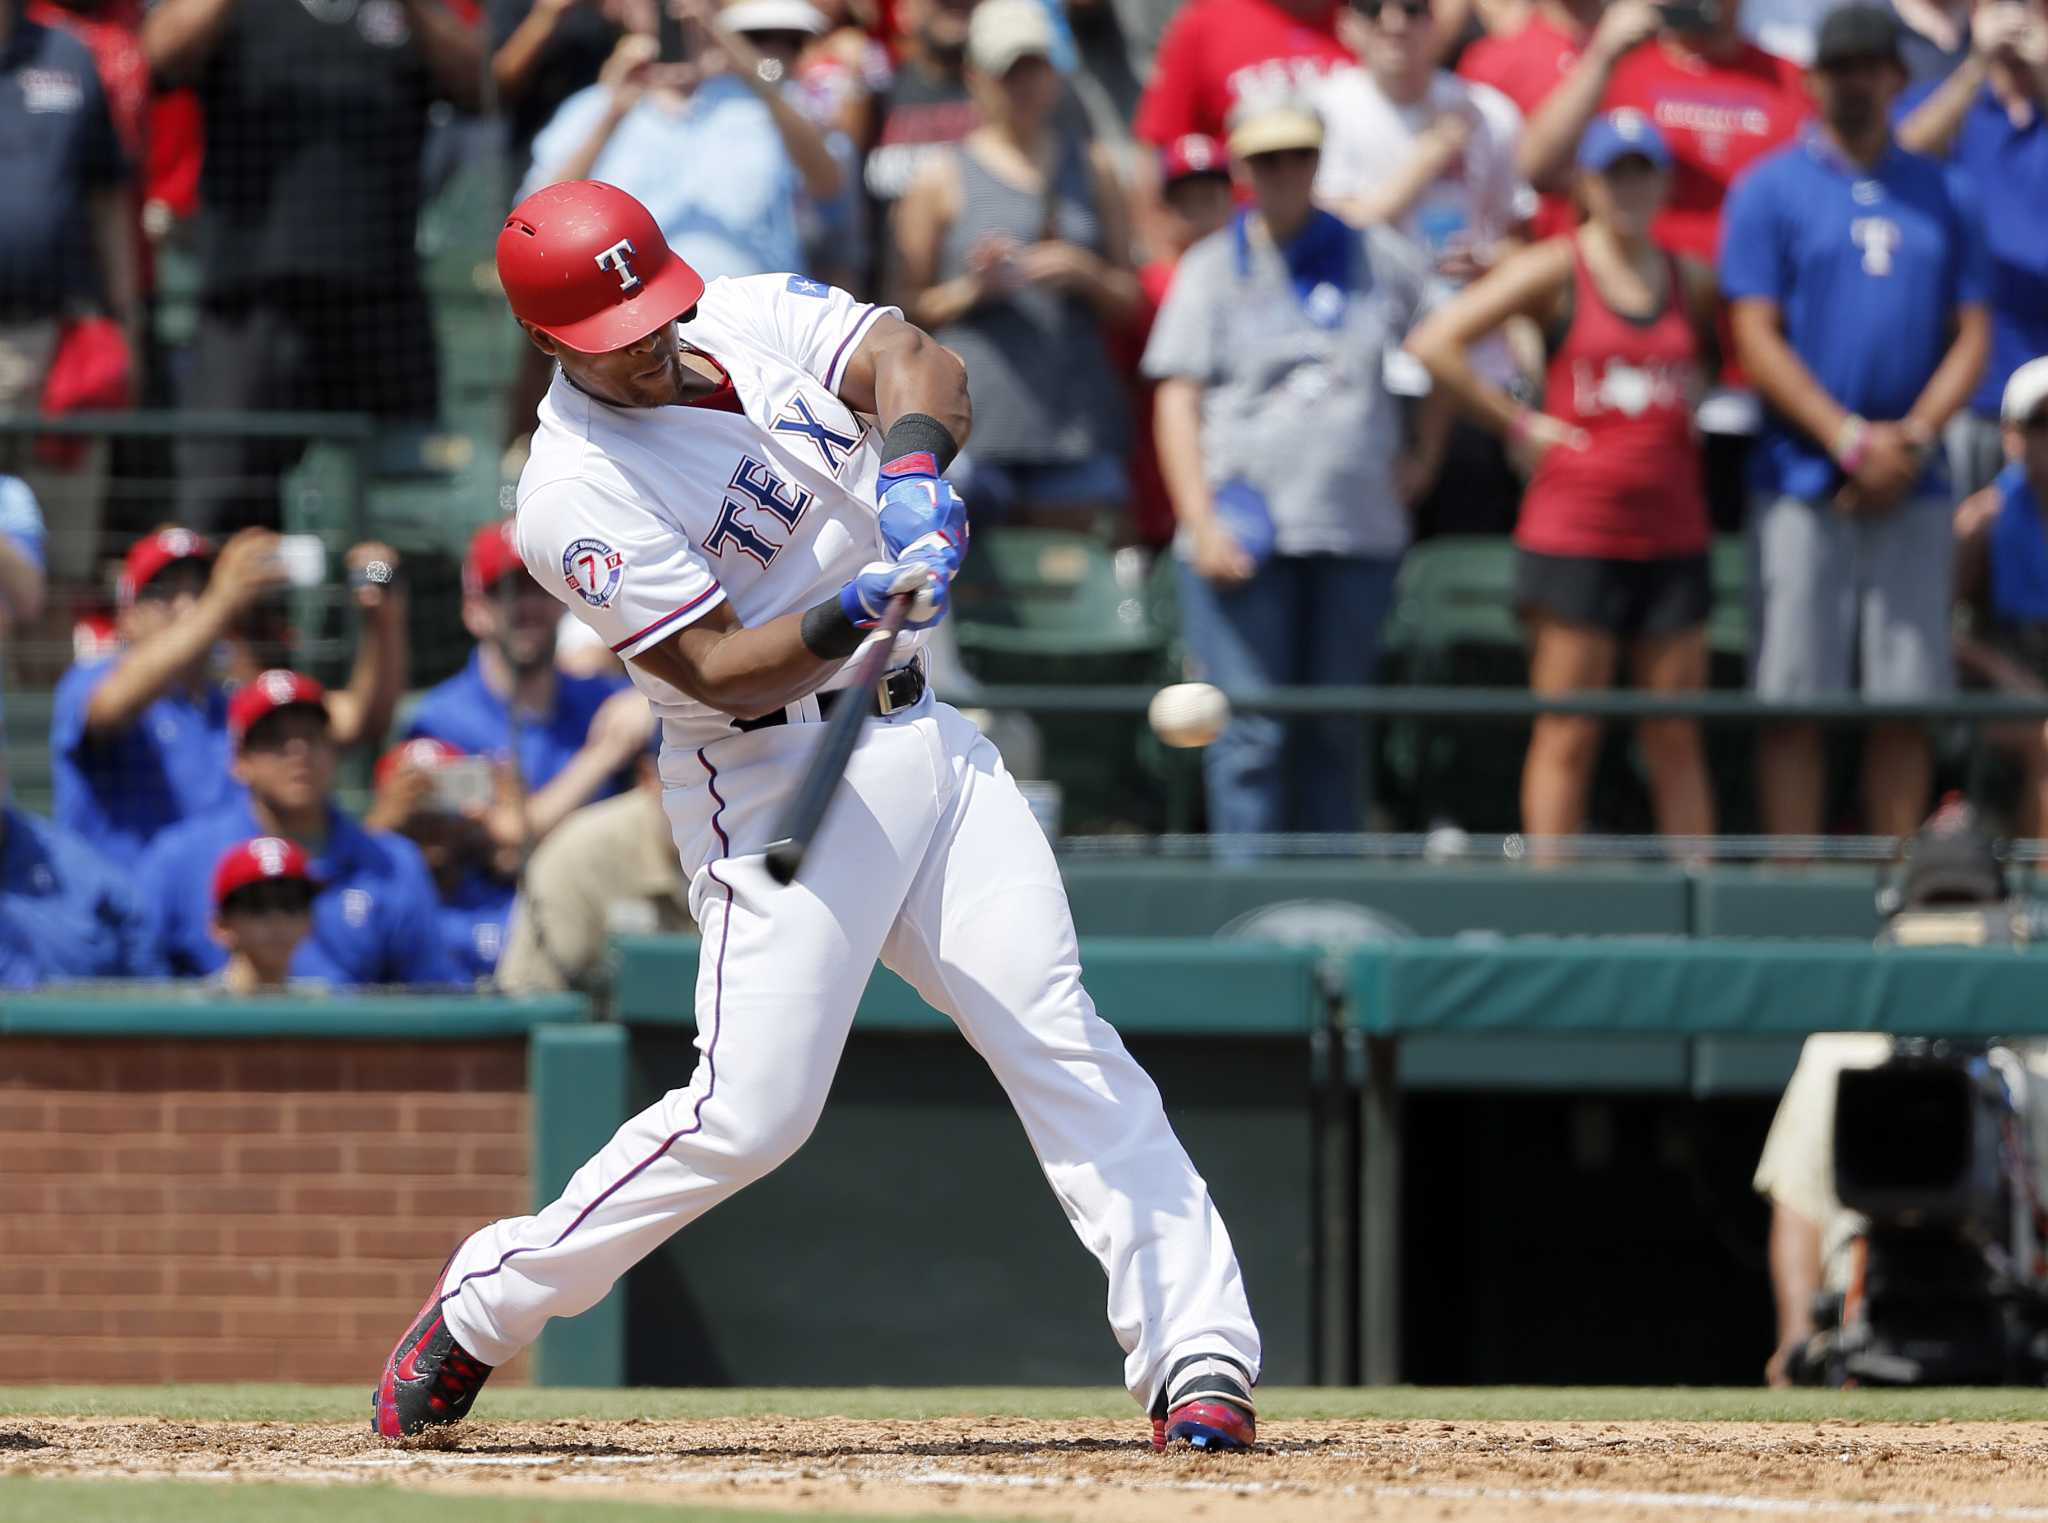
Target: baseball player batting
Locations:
point(730, 483)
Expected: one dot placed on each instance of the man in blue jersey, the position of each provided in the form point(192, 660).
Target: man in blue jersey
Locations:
point(375, 919)
point(570, 739)
point(1859, 286)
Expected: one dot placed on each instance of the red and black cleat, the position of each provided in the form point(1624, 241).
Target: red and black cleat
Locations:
point(429, 1379)
point(1206, 1404)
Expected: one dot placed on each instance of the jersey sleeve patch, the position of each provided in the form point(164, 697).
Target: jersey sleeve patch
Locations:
point(593, 570)
point(803, 285)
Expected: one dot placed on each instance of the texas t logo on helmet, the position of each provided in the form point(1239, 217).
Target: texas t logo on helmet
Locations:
point(614, 258)
point(586, 264)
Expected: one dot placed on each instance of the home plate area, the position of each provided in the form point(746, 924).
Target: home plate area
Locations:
point(1097, 1471)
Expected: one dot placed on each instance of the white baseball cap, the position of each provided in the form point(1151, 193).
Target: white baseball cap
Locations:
point(774, 16)
point(2025, 392)
point(1001, 32)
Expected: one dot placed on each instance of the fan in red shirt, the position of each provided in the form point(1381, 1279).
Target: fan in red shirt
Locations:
point(1719, 101)
point(1217, 52)
point(1611, 575)
point(1529, 62)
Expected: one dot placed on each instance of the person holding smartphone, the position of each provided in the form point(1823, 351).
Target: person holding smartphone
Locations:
point(139, 738)
point(1719, 101)
point(1612, 538)
point(563, 740)
point(440, 798)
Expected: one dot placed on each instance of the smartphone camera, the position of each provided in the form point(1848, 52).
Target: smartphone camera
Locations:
point(303, 558)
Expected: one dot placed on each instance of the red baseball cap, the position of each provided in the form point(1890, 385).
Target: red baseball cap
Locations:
point(266, 859)
point(422, 751)
point(1195, 154)
point(150, 554)
point(265, 695)
point(492, 557)
point(587, 265)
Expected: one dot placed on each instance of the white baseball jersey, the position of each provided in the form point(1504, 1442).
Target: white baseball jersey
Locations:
point(642, 520)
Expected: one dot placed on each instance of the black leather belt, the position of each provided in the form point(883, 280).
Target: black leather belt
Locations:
point(899, 690)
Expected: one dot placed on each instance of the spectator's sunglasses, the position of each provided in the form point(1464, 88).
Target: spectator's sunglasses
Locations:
point(1414, 10)
point(278, 896)
point(2037, 424)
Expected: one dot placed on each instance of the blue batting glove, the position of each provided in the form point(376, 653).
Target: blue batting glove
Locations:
point(914, 505)
point(864, 598)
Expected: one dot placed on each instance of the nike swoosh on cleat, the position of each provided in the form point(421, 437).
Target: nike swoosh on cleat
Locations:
point(408, 1367)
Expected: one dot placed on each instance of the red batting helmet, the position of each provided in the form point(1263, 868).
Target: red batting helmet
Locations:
point(587, 265)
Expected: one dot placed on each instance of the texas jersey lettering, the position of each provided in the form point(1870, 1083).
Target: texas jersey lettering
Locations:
point(768, 508)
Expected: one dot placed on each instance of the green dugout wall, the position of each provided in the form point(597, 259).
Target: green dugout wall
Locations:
point(913, 1238)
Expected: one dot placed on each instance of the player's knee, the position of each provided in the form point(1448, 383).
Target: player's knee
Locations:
point(769, 1136)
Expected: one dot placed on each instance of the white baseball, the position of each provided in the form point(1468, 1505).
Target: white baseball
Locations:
point(1188, 714)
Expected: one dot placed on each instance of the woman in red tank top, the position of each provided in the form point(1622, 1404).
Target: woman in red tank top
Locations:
point(1613, 532)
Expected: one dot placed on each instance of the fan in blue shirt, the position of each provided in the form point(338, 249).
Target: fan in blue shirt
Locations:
point(139, 740)
point(440, 800)
point(64, 912)
point(1858, 281)
point(1986, 119)
point(1855, 285)
point(375, 919)
point(571, 738)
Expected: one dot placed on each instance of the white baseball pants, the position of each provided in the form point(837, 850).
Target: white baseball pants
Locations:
point(931, 860)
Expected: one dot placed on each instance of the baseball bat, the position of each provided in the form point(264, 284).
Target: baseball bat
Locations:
point(806, 810)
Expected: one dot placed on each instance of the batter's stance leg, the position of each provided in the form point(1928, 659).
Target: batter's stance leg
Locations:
point(956, 889)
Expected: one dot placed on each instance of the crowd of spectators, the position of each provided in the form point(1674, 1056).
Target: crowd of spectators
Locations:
point(1274, 287)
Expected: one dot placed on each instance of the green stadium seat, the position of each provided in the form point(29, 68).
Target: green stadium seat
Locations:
point(1029, 594)
point(1456, 593)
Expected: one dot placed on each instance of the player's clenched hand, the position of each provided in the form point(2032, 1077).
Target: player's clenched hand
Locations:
point(923, 572)
point(916, 506)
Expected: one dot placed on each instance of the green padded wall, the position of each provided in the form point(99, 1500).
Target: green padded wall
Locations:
point(1810, 902)
point(1155, 898)
point(577, 1076)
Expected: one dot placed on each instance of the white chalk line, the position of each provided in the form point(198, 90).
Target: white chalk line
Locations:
point(1587, 1496)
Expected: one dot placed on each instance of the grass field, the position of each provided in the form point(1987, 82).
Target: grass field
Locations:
point(292, 1454)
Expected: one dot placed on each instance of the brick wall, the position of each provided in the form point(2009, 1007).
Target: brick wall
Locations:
point(225, 1211)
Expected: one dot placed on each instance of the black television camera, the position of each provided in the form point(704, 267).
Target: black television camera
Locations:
point(1946, 1283)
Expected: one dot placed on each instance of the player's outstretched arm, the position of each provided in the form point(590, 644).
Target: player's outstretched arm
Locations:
point(751, 672)
point(900, 370)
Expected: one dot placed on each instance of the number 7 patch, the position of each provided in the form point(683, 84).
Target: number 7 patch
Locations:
point(593, 569)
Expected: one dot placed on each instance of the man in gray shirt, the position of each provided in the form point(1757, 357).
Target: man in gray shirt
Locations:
point(1282, 452)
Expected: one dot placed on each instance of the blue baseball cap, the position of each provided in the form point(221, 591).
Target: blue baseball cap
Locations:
point(1619, 134)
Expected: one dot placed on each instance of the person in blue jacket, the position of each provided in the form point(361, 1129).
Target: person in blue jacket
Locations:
point(138, 738)
point(65, 913)
point(375, 919)
point(569, 739)
point(439, 798)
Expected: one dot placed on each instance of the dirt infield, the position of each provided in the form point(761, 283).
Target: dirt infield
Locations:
point(1102, 1472)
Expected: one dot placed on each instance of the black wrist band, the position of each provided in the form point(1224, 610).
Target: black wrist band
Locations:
point(828, 633)
point(918, 433)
